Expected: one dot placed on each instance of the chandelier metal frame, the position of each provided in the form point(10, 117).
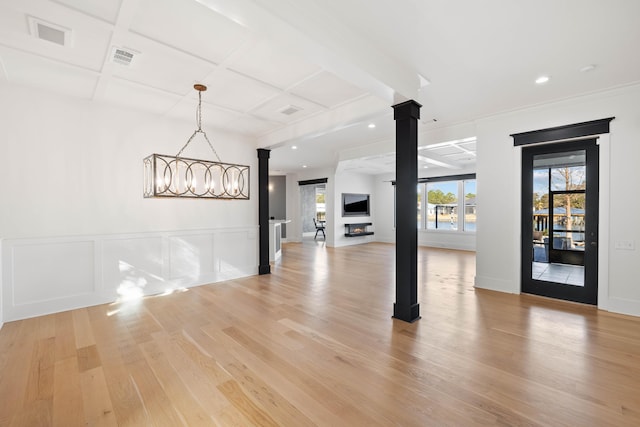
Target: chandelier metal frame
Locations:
point(183, 177)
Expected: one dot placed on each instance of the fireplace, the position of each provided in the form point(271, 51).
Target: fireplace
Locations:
point(358, 229)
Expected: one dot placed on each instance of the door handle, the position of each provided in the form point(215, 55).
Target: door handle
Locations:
point(594, 243)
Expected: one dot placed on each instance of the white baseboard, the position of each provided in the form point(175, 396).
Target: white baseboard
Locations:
point(623, 306)
point(493, 284)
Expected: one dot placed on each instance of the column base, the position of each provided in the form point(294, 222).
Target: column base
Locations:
point(264, 269)
point(406, 313)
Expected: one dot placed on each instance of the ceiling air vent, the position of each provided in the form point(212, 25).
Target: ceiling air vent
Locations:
point(123, 56)
point(289, 110)
point(50, 32)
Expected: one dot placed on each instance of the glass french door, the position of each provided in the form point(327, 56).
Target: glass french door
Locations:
point(560, 220)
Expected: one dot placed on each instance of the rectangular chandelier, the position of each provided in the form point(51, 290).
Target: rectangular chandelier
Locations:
point(176, 176)
point(172, 176)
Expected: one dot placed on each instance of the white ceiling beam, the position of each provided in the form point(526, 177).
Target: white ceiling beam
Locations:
point(387, 149)
point(434, 159)
point(464, 150)
point(322, 123)
point(380, 148)
point(309, 31)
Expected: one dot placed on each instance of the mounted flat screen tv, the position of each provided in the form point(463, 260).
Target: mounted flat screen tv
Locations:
point(355, 204)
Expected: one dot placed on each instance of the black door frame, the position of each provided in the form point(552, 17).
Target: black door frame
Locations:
point(589, 292)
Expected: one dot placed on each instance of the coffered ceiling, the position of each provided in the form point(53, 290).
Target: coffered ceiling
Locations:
point(314, 74)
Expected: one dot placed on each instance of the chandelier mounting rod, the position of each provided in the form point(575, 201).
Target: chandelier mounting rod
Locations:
point(200, 88)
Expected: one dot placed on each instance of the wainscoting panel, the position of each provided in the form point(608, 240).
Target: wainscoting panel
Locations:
point(191, 256)
point(130, 265)
point(48, 275)
point(235, 252)
point(42, 272)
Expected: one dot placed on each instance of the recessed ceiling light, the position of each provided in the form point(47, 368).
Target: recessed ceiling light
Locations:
point(304, 166)
point(294, 147)
point(425, 167)
point(542, 80)
point(372, 125)
point(587, 68)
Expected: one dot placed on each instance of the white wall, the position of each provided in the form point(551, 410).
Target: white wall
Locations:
point(294, 228)
point(1, 290)
point(498, 173)
point(72, 169)
point(383, 206)
point(352, 183)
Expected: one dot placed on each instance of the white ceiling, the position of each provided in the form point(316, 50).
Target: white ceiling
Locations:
point(342, 63)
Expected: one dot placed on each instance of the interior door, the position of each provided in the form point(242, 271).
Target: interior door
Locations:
point(560, 220)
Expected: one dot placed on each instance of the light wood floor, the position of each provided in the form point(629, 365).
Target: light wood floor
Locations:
point(314, 344)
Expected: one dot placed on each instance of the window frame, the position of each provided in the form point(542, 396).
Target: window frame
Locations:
point(421, 189)
point(460, 181)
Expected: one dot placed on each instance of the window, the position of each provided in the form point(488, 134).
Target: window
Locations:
point(419, 188)
point(321, 212)
point(442, 205)
point(469, 186)
point(450, 203)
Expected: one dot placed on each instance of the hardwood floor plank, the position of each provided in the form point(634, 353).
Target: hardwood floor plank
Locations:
point(97, 407)
point(112, 335)
point(67, 394)
point(314, 343)
point(40, 382)
point(16, 348)
point(424, 400)
point(294, 383)
point(82, 329)
point(36, 413)
point(201, 374)
point(278, 407)
point(157, 404)
point(276, 368)
point(254, 414)
point(492, 387)
point(65, 337)
point(198, 371)
point(193, 345)
point(188, 408)
point(36, 408)
point(88, 358)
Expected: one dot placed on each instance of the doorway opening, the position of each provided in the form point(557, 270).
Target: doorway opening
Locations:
point(313, 208)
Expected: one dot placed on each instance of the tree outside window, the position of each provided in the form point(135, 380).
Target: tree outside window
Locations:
point(321, 210)
point(469, 205)
point(442, 205)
